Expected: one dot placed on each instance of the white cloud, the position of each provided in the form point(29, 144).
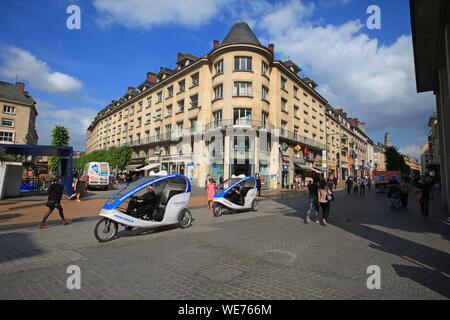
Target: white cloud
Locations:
point(371, 81)
point(21, 63)
point(411, 150)
point(149, 13)
point(76, 120)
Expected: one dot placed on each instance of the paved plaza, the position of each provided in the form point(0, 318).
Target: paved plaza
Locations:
point(270, 254)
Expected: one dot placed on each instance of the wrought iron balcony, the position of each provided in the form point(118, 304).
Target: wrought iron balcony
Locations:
point(237, 124)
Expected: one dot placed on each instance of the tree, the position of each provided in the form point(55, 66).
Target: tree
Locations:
point(60, 137)
point(395, 161)
point(4, 156)
point(117, 157)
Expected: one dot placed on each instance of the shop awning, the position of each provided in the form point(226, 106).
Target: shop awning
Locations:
point(306, 168)
point(133, 167)
point(149, 166)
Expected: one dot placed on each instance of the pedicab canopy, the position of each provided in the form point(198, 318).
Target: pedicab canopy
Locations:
point(160, 181)
point(229, 184)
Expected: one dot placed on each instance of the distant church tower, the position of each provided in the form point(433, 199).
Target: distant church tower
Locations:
point(388, 139)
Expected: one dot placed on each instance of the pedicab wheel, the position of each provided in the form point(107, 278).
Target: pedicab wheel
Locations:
point(217, 210)
point(105, 230)
point(255, 205)
point(185, 219)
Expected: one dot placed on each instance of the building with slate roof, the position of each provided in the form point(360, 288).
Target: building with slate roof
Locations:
point(17, 115)
point(235, 110)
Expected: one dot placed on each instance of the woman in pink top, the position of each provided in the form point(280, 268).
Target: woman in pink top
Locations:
point(210, 192)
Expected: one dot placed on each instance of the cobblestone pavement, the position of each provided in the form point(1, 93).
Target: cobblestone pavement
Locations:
point(271, 254)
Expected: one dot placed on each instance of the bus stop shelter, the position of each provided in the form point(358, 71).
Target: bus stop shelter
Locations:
point(64, 153)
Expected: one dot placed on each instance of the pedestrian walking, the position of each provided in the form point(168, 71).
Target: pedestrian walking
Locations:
point(355, 186)
point(76, 186)
point(349, 185)
point(324, 195)
point(210, 192)
point(423, 195)
point(55, 193)
point(362, 186)
point(404, 191)
point(313, 190)
point(258, 184)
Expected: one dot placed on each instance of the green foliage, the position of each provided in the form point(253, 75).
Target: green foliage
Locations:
point(60, 137)
point(117, 157)
point(395, 161)
point(4, 156)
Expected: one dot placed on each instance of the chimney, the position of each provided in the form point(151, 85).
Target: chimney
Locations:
point(362, 126)
point(20, 86)
point(130, 89)
point(216, 44)
point(180, 56)
point(151, 77)
point(345, 115)
point(272, 48)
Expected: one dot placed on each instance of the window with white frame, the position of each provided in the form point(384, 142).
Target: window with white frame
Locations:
point(243, 63)
point(169, 110)
point(160, 96)
point(242, 116)
point(217, 118)
point(243, 88)
point(283, 128)
point(218, 67)
point(181, 86)
point(8, 123)
point(6, 136)
point(149, 102)
point(181, 106)
point(265, 68)
point(170, 92)
point(9, 109)
point(296, 111)
point(218, 92)
point(195, 79)
point(194, 101)
point(283, 83)
point(265, 93)
point(283, 104)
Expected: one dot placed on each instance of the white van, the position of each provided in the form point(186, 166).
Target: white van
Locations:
point(96, 174)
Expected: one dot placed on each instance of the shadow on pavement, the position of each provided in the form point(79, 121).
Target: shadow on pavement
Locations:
point(9, 216)
point(26, 249)
point(432, 279)
point(360, 216)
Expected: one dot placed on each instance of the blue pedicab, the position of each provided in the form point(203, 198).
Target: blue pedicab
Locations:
point(236, 194)
point(150, 202)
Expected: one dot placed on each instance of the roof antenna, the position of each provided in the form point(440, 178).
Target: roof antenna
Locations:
point(17, 77)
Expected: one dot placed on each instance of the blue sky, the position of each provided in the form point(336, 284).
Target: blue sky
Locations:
point(367, 72)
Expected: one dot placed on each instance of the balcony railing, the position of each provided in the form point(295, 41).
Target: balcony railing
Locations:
point(294, 137)
point(297, 138)
point(238, 123)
